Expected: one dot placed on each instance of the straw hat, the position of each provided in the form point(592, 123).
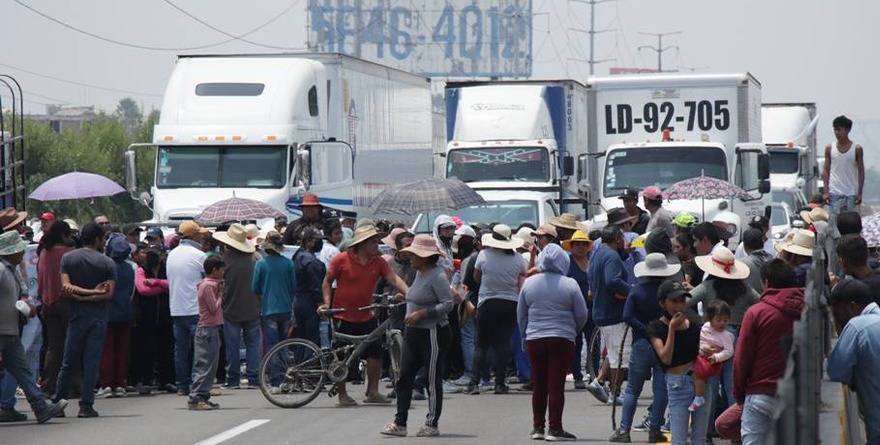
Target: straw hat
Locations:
point(579, 236)
point(390, 239)
point(618, 216)
point(273, 241)
point(565, 221)
point(501, 238)
point(655, 265)
point(310, 200)
point(187, 229)
point(237, 238)
point(546, 229)
point(9, 218)
point(722, 264)
point(817, 214)
point(466, 311)
point(525, 234)
point(801, 243)
point(361, 234)
point(423, 246)
point(11, 243)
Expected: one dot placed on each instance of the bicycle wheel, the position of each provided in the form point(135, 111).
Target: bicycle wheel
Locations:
point(594, 353)
point(292, 373)
point(395, 347)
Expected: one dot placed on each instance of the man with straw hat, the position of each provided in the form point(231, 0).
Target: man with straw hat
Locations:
point(274, 285)
point(356, 272)
point(798, 252)
point(13, 293)
point(312, 216)
point(241, 308)
point(565, 224)
point(11, 219)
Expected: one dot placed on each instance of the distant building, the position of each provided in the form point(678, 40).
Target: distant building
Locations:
point(66, 118)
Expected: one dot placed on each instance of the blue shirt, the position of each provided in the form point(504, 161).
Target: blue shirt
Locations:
point(275, 280)
point(642, 307)
point(855, 360)
point(579, 275)
point(607, 278)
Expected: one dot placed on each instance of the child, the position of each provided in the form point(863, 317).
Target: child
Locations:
point(207, 342)
point(716, 347)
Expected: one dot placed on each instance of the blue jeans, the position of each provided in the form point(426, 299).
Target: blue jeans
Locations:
point(756, 418)
point(642, 361)
point(468, 334)
point(206, 358)
point(275, 328)
point(184, 336)
point(16, 367)
point(521, 359)
point(83, 347)
point(308, 322)
point(680, 388)
point(233, 332)
point(840, 203)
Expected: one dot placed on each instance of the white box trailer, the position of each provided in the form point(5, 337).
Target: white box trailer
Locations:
point(271, 126)
point(660, 129)
point(789, 132)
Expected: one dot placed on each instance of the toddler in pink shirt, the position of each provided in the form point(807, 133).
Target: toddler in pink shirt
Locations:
point(716, 347)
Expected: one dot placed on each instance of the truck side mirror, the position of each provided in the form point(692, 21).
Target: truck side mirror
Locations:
point(131, 172)
point(763, 166)
point(567, 166)
point(764, 187)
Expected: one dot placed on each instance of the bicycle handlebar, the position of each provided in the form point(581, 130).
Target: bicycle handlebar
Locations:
point(381, 306)
point(328, 312)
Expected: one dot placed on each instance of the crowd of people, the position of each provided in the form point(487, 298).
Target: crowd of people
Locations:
point(125, 310)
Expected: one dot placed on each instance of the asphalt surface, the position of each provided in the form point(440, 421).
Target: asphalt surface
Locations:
point(245, 417)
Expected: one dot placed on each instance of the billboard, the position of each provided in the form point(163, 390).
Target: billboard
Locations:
point(456, 38)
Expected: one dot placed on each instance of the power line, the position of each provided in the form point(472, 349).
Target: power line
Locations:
point(241, 37)
point(113, 41)
point(82, 84)
point(660, 49)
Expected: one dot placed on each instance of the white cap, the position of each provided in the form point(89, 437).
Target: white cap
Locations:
point(465, 230)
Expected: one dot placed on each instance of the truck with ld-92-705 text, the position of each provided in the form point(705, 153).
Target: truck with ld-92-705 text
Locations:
point(270, 127)
point(713, 123)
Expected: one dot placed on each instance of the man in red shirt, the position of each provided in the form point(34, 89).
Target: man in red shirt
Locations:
point(356, 272)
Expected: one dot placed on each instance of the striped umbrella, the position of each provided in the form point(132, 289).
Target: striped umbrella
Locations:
point(426, 195)
point(236, 210)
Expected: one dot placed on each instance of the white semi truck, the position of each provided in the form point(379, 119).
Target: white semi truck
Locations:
point(789, 132)
point(660, 129)
point(515, 143)
point(270, 127)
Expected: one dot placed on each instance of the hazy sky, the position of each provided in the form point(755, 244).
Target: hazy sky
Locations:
point(800, 50)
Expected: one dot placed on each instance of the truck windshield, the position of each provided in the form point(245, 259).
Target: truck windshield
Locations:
point(786, 197)
point(227, 166)
point(512, 212)
point(640, 167)
point(783, 161)
point(525, 164)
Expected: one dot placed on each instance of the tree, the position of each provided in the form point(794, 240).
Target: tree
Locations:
point(130, 113)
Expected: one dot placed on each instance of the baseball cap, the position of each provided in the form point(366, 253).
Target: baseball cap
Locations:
point(684, 220)
point(629, 193)
point(851, 290)
point(671, 289)
point(154, 232)
point(131, 228)
point(653, 193)
point(48, 216)
point(190, 228)
point(759, 222)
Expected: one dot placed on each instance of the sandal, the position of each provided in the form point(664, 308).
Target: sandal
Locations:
point(345, 401)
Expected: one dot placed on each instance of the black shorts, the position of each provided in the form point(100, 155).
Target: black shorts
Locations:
point(346, 327)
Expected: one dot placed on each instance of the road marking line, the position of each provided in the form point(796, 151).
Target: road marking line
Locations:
point(232, 432)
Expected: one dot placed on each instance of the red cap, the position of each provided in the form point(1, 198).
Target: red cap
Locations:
point(310, 199)
point(652, 192)
point(48, 216)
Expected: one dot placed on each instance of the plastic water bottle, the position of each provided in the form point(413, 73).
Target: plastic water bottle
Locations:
point(324, 328)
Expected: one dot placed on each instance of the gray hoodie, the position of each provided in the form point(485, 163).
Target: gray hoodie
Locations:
point(550, 303)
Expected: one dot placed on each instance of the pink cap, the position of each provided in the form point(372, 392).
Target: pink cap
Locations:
point(652, 192)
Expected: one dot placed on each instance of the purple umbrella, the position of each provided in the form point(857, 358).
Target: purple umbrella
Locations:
point(236, 209)
point(76, 185)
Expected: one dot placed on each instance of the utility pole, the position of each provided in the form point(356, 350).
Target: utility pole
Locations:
point(592, 32)
point(659, 48)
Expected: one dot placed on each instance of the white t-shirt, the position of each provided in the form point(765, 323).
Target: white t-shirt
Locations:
point(500, 274)
point(844, 173)
point(186, 269)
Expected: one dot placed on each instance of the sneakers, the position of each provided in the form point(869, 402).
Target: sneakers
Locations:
point(393, 429)
point(643, 426)
point(579, 384)
point(201, 405)
point(616, 400)
point(501, 389)
point(620, 436)
point(464, 380)
point(451, 388)
point(377, 399)
point(428, 431)
point(537, 434)
point(418, 395)
point(696, 404)
point(665, 427)
point(472, 390)
point(87, 412)
point(182, 392)
point(486, 386)
point(119, 392)
point(11, 415)
point(52, 410)
point(104, 393)
point(527, 386)
point(656, 437)
point(559, 436)
point(598, 391)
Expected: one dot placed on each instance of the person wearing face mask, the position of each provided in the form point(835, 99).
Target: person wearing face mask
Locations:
point(307, 294)
point(444, 232)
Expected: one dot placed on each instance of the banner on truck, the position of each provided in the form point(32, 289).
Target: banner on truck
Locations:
point(456, 38)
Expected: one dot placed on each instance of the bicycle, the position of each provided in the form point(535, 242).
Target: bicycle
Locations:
point(295, 371)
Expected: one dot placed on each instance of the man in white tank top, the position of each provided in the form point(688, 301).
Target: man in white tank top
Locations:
point(844, 173)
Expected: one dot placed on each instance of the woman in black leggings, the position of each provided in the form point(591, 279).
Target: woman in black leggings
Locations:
point(427, 336)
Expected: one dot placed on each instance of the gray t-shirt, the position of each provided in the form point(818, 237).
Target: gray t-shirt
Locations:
point(430, 291)
point(87, 268)
point(663, 219)
point(9, 294)
point(501, 273)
